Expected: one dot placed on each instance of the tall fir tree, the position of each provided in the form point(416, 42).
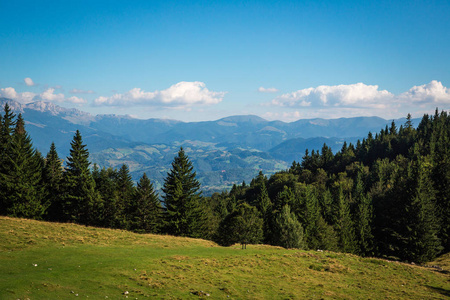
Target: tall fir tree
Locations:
point(289, 229)
point(105, 184)
point(6, 129)
point(22, 176)
point(7, 124)
point(327, 206)
point(264, 205)
point(311, 218)
point(124, 194)
point(363, 219)
point(145, 210)
point(344, 225)
point(421, 220)
point(80, 199)
point(52, 177)
point(440, 154)
point(182, 195)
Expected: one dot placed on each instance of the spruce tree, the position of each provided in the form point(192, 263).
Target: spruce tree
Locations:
point(344, 225)
point(440, 154)
point(264, 205)
point(145, 211)
point(421, 220)
point(181, 198)
point(6, 129)
point(80, 199)
point(311, 218)
point(363, 219)
point(327, 206)
point(123, 194)
point(21, 176)
point(52, 177)
point(289, 231)
point(105, 184)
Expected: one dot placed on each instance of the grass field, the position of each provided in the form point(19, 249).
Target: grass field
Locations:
point(40, 260)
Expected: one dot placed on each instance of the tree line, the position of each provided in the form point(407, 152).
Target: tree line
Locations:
point(386, 196)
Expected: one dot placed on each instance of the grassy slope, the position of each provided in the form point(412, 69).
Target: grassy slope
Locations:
point(40, 260)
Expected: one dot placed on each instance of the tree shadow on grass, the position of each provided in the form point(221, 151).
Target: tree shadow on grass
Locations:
point(440, 290)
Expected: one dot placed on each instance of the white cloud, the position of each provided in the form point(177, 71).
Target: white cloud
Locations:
point(267, 90)
point(48, 95)
point(182, 94)
point(433, 92)
point(78, 91)
point(11, 93)
point(353, 95)
point(365, 100)
point(29, 81)
point(76, 100)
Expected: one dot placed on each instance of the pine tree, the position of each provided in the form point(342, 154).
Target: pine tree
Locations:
point(440, 154)
point(264, 205)
point(344, 225)
point(52, 177)
point(145, 210)
point(311, 218)
point(182, 199)
point(327, 206)
point(123, 194)
point(80, 200)
point(21, 176)
point(7, 124)
point(421, 221)
point(6, 130)
point(289, 230)
point(363, 219)
point(105, 183)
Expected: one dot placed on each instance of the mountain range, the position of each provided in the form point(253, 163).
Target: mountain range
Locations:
point(225, 151)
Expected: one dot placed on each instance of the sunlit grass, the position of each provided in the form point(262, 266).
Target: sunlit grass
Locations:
point(42, 260)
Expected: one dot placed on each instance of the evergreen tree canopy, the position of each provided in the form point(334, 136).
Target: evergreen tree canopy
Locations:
point(52, 177)
point(145, 210)
point(243, 226)
point(80, 199)
point(289, 231)
point(21, 176)
point(181, 198)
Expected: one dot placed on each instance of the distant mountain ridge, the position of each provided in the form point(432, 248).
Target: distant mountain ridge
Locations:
point(224, 151)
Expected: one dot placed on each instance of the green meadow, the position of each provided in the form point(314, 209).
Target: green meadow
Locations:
point(41, 260)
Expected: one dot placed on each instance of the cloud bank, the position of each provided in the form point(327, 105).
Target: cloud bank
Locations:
point(47, 95)
point(361, 99)
point(182, 94)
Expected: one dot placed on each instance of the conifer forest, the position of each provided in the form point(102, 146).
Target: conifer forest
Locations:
point(387, 196)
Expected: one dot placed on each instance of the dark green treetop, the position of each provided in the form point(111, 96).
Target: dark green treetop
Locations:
point(181, 198)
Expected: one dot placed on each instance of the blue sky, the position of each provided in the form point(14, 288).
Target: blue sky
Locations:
point(203, 60)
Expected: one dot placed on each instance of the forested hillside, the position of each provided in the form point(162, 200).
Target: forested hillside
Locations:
point(385, 196)
point(388, 196)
